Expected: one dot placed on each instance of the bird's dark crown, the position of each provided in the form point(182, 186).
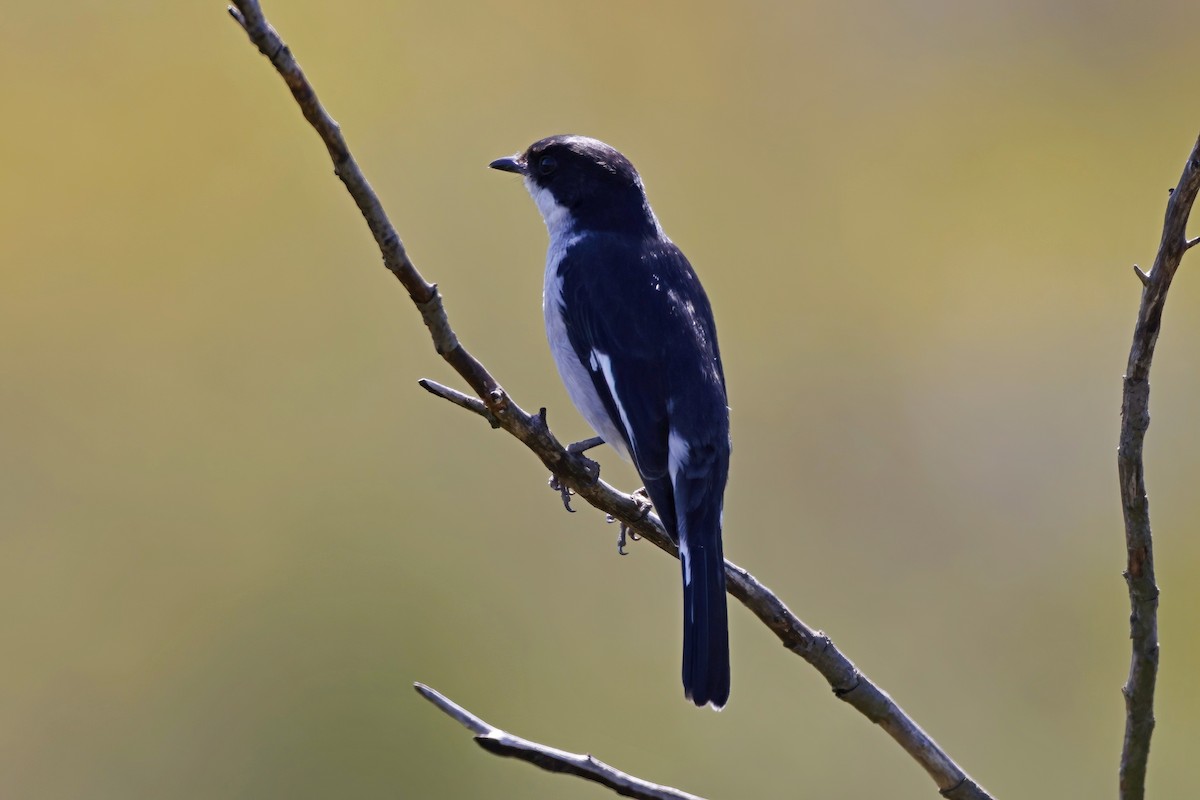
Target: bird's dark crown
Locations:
point(597, 185)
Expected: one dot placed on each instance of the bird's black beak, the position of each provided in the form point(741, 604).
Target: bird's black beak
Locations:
point(509, 164)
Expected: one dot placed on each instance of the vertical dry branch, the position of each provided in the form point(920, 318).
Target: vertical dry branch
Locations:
point(1135, 419)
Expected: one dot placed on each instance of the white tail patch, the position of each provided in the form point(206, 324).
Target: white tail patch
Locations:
point(686, 558)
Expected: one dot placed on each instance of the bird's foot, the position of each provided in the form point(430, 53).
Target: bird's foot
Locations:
point(576, 449)
point(626, 534)
point(564, 492)
point(582, 447)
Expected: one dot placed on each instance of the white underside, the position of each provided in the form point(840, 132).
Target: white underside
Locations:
point(574, 373)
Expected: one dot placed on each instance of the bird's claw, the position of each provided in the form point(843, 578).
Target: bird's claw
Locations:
point(576, 449)
point(626, 534)
point(564, 492)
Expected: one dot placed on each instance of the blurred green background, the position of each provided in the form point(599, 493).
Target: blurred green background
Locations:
point(233, 530)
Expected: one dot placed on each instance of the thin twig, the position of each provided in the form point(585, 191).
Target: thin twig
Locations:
point(459, 399)
point(551, 759)
point(574, 470)
point(1135, 419)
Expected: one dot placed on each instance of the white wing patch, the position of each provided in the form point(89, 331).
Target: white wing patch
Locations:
point(677, 454)
point(606, 370)
point(678, 450)
point(574, 373)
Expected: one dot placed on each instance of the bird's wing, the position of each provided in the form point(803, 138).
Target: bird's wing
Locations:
point(613, 317)
point(641, 325)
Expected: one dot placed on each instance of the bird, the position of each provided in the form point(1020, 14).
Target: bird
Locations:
point(633, 338)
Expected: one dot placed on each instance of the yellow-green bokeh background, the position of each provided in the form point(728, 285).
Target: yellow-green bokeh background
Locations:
point(233, 530)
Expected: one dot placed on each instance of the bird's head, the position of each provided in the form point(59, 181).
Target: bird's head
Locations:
point(582, 184)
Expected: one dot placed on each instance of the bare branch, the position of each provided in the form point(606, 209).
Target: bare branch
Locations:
point(472, 404)
point(551, 759)
point(1135, 419)
point(424, 295)
point(465, 718)
point(575, 471)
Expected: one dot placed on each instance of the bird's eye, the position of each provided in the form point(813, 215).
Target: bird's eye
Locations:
point(547, 165)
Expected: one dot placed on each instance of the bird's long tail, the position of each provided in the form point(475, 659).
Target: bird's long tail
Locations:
point(705, 616)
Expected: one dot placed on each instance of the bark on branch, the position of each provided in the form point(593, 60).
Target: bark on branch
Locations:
point(551, 759)
point(576, 471)
point(1135, 419)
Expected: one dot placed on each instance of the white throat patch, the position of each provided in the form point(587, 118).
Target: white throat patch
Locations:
point(559, 222)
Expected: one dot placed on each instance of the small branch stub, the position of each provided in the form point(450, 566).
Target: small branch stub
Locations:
point(472, 404)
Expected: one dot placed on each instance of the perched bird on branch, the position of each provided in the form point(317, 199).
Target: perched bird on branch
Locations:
point(633, 337)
